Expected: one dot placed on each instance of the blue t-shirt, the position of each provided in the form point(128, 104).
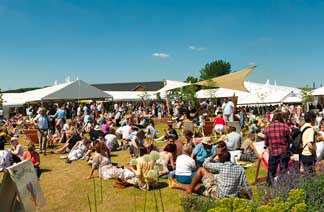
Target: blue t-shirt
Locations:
point(42, 121)
point(60, 114)
point(87, 119)
point(201, 153)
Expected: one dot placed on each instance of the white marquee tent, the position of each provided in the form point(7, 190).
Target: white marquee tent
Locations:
point(258, 93)
point(131, 95)
point(75, 90)
point(219, 93)
point(13, 99)
point(318, 92)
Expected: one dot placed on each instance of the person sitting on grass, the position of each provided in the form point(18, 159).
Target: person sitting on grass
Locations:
point(226, 183)
point(79, 149)
point(233, 139)
point(171, 138)
point(104, 148)
point(141, 171)
point(72, 139)
point(150, 129)
point(248, 152)
point(148, 144)
point(111, 140)
point(203, 150)
point(5, 157)
point(17, 151)
point(169, 131)
point(99, 161)
point(166, 157)
point(186, 166)
point(136, 142)
point(32, 155)
point(219, 124)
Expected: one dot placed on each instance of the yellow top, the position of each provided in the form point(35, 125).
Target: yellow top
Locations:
point(308, 136)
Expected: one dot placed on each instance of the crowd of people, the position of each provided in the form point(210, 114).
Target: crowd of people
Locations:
point(192, 160)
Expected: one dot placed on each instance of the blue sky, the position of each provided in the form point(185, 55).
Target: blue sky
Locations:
point(103, 41)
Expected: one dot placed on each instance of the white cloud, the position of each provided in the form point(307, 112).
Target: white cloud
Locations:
point(251, 64)
point(161, 55)
point(194, 48)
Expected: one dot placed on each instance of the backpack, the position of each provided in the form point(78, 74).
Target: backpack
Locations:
point(296, 141)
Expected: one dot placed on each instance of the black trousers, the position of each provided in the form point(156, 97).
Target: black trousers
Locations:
point(15, 158)
point(308, 163)
point(273, 164)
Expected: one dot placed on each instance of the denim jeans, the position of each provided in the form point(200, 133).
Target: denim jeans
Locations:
point(273, 164)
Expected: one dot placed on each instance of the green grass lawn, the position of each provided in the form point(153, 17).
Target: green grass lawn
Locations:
point(66, 189)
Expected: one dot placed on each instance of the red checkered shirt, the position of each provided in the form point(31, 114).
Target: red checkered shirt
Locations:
point(276, 138)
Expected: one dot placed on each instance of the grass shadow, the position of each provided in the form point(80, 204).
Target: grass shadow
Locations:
point(45, 170)
point(159, 185)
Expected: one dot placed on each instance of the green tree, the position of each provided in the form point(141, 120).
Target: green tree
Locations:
point(306, 94)
point(191, 79)
point(215, 69)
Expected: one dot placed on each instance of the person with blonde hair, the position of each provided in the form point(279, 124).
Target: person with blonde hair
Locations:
point(185, 166)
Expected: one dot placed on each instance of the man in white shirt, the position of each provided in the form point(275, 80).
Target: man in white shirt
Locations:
point(185, 166)
point(228, 108)
point(111, 140)
point(233, 139)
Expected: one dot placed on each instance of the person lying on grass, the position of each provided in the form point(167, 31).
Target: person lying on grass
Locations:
point(103, 164)
point(79, 149)
point(220, 178)
point(133, 175)
point(104, 150)
point(72, 139)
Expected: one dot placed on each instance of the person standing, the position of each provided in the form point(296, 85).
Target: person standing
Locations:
point(298, 113)
point(60, 117)
point(276, 140)
point(228, 108)
point(308, 155)
point(41, 120)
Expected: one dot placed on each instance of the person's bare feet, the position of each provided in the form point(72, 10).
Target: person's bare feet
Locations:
point(172, 183)
point(188, 192)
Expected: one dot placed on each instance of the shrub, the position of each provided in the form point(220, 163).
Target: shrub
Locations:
point(313, 187)
point(196, 203)
point(294, 203)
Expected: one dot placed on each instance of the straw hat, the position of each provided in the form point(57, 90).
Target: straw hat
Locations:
point(207, 140)
point(97, 127)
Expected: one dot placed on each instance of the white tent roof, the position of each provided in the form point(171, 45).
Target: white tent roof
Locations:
point(258, 93)
point(170, 85)
point(130, 95)
point(219, 93)
point(13, 99)
point(268, 98)
point(318, 92)
point(75, 90)
point(292, 99)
